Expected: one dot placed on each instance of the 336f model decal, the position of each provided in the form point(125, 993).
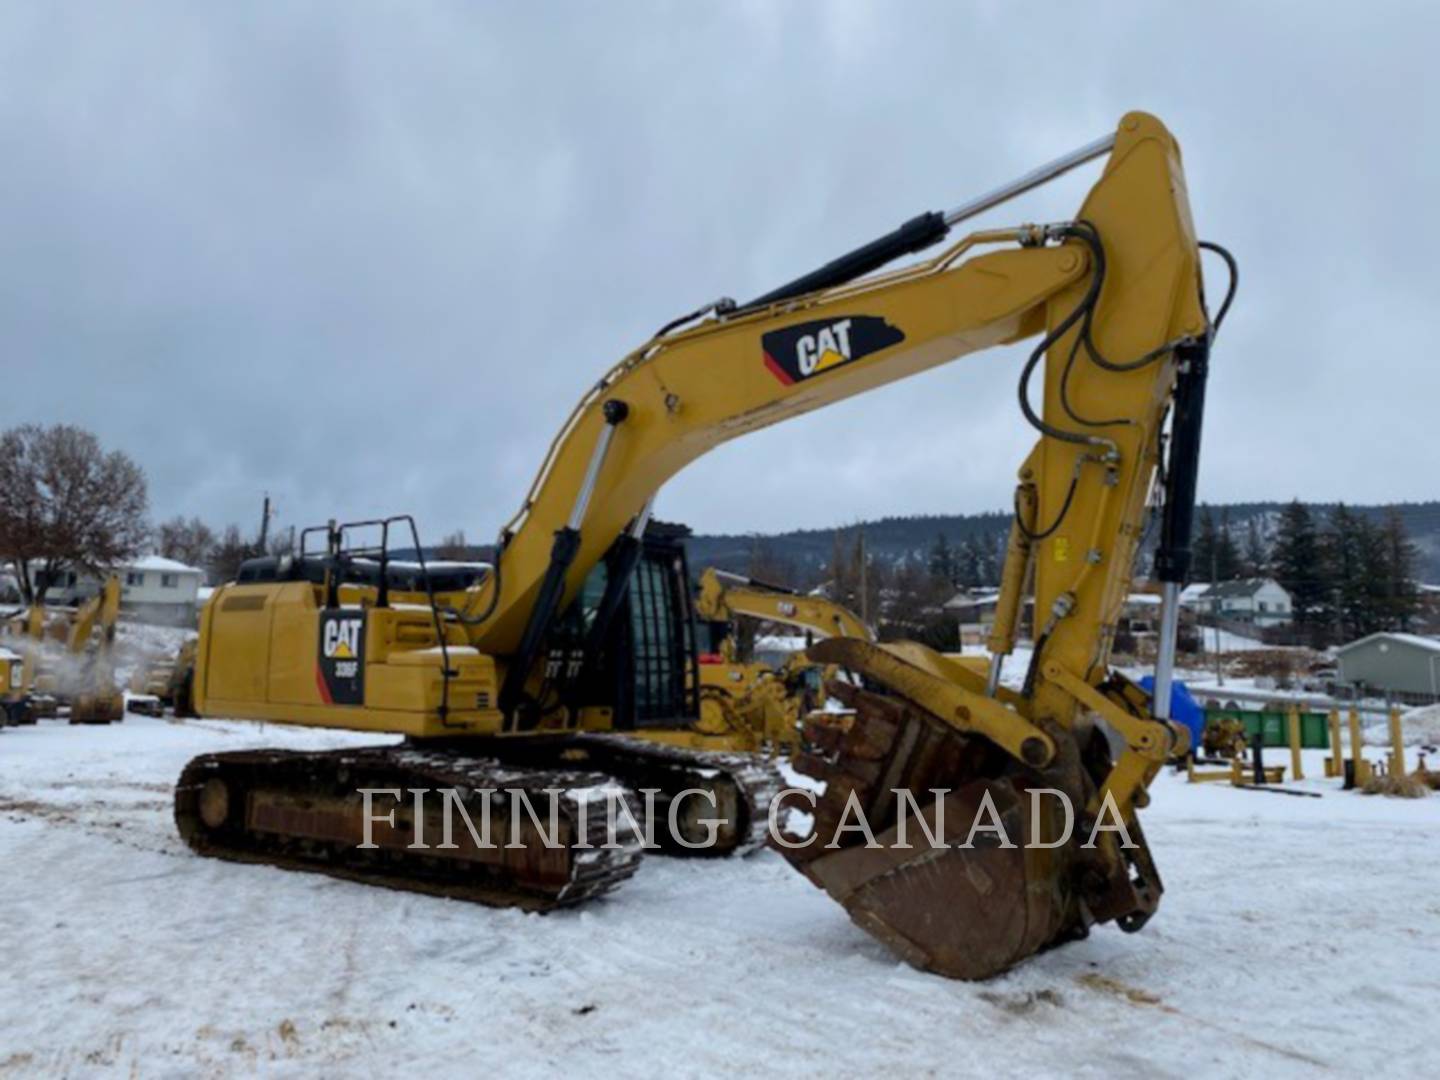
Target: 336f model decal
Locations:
point(340, 672)
point(807, 349)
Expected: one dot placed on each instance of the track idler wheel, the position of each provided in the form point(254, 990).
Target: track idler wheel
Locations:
point(968, 903)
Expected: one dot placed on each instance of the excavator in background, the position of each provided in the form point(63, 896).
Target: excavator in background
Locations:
point(748, 692)
point(87, 679)
point(70, 661)
point(563, 670)
point(32, 697)
point(724, 597)
point(16, 704)
point(164, 683)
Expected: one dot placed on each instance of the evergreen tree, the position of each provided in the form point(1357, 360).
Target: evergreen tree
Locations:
point(767, 565)
point(1355, 553)
point(1402, 599)
point(989, 565)
point(1255, 557)
point(968, 570)
point(942, 560)
point(1203, 552)
point(1297, 563)
point(1228, 564)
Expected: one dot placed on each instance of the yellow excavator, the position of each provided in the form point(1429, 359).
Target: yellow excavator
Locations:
point(31, 696)
point(724, 597)
point(556, 670)
point(71, 661)
point(747, 693)
point(16, 704)
point(163, 682)
point(88, 679)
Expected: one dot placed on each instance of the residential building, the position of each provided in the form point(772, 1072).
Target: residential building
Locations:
point(1402, 666)
point(153, 589)
point(1258, 602)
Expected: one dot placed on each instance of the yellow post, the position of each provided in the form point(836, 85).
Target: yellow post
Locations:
point(1397, 744)
point(1296, 773)
point(1333, 766)
point(1362, 767)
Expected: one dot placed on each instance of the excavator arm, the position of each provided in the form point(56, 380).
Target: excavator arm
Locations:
point(96, 699)
point(724, 596)
point(102, 610)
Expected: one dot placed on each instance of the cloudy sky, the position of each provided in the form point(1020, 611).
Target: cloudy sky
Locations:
point(366, 256)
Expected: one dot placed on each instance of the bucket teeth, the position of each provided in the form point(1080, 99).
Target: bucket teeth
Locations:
point(954, 888)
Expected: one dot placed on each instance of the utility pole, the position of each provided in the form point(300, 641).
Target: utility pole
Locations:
point(1214, 608)
point(265, 515)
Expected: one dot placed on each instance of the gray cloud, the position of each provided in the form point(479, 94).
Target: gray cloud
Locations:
point(367, 257)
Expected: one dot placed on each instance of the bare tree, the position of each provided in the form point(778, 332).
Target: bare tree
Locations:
point(228, 553)
point(282, 541)
point(66, 504)
point(191, 542)
point(453, 546)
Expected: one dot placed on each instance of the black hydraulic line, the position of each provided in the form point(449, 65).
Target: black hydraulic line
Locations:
point(619, 569)
point(1234, 268)
point(915, 235)
point(1049, 530)
point(768, 586)
point(1172, 558)
point(1033, 671)
point(563, 550)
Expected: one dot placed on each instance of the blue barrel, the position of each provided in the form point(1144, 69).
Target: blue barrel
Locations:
point(1183, 708)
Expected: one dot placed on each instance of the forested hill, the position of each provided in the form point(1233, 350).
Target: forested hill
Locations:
point(803, 555)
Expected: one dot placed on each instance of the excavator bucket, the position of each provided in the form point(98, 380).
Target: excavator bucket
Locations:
point(965, 864)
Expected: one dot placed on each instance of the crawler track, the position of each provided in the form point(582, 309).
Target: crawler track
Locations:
point(742, 785)
point(304, 811)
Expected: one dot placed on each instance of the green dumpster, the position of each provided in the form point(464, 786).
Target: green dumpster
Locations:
point(1272, 726)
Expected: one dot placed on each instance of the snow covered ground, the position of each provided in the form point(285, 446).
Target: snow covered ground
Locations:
point(1296, 935)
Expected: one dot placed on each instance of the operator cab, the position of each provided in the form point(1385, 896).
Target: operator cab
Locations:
point(645, 668)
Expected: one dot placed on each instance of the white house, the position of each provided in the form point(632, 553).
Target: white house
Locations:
point(153, 589)
point(1261, 602)
point(974, 610)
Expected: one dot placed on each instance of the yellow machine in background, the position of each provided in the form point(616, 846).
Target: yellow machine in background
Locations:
point(88, 676)
point(561, 668)
point(750, 693)
point(26, 631)
point(725, 597)
point(70, 661)
point(16, 706)
point(165, 683)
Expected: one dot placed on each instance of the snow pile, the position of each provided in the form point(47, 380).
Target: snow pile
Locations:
point(1418, 727)
point(1421, 726)
point(786, 643)
point(139, 644)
